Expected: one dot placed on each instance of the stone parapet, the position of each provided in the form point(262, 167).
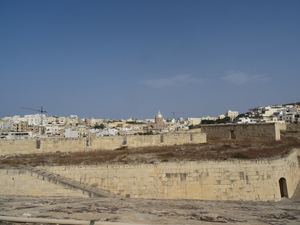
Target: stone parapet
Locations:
point(8, 147)
point(270, 131)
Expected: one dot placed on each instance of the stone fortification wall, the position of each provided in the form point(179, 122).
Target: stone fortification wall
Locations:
point(107, 143)
point(41, 145)
point(8, 147)
point(207, 180)
point(239, 131)
point(166, 139)
point(20, 182)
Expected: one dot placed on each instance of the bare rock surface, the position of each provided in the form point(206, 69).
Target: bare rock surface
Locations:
point(152, 211)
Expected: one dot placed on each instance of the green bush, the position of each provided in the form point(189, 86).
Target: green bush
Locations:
point(122, 148)
point(101, 126)
point(239, 155)
point(148, 133)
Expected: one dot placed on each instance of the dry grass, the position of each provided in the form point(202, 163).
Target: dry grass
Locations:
point(215, 149)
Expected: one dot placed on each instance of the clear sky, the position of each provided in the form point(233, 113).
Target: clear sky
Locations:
point(129, 58)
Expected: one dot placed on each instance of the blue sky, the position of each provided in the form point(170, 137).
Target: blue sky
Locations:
point(124, 58)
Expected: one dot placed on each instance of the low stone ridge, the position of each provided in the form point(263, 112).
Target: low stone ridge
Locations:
point(69, 183)
point(152, 211)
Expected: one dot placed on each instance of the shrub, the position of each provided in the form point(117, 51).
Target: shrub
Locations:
point(122, 148)
point(227, 146)
point(147, 133)
point(239, 155)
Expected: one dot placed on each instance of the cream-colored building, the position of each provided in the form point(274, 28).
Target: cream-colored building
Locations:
point(232, 114)
point(194, 121)
point(221, 116)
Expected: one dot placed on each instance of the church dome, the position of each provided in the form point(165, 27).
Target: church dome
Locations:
point(159, 118)
point(159, 115)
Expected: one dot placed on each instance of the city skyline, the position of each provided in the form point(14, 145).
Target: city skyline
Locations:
point(122, 59)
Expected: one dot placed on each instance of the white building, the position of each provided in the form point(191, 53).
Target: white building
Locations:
point(15, 135)
point(71, 133)
point(36, 119)
point(288, 115)
point(108, 132)
point(247, 120)
point(52, 130)
point(270, 110)
point(209, 118)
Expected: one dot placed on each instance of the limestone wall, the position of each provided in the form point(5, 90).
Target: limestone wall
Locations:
point(19, 182)
point(16, 146)
point(107, 143)
point(209, 180)
point(238, 131)
point(165, 139)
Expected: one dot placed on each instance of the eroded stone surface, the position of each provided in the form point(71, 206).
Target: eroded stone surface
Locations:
point(152, 211)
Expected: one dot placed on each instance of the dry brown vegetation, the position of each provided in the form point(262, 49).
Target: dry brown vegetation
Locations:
point(215, 149)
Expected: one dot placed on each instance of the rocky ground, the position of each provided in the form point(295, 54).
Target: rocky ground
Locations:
point(152, 211)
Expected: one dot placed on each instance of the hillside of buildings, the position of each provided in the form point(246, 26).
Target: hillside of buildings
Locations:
point(42, 126)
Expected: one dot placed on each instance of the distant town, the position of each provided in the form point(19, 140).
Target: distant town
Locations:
point(41, 126)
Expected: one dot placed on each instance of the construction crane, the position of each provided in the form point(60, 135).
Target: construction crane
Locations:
point(39, 110)
point(41, 114)
point(175, 113)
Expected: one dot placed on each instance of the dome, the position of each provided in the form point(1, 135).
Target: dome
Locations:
point(159, 115)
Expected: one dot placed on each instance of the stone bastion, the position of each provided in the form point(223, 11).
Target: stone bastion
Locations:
point(256, 180)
